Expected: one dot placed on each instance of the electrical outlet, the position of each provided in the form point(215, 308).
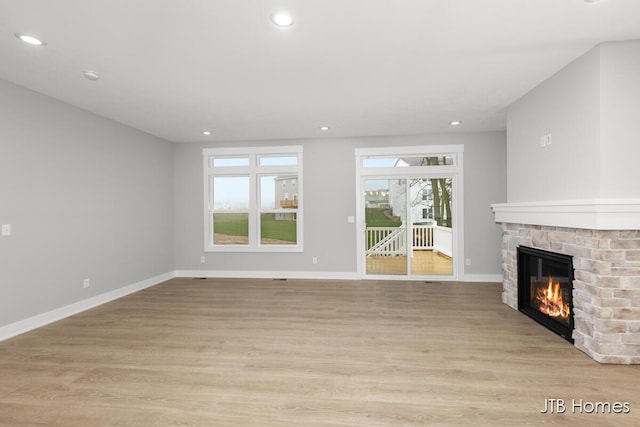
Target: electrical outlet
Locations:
point(202, 260)
point(86, 283)
point(314, 260)
point(6, 229)
point(467, 262)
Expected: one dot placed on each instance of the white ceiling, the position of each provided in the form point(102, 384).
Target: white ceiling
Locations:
point(173, 68)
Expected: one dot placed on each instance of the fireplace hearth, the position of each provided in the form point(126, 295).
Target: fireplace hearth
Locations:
point(545, 288)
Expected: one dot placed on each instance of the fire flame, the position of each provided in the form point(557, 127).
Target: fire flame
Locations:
point(550, 300)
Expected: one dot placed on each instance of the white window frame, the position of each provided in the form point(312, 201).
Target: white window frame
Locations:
point(254, 171)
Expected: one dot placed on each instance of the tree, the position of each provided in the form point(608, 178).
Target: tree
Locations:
point(441, 194)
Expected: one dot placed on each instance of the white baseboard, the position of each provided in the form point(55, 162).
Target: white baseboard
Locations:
point(245, 274)
point(491, 278)
point(31, 323)
point(323, 275)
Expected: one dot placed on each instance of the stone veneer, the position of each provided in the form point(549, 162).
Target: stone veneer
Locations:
point(606, 287)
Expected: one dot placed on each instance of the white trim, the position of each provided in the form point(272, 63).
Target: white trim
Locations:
point(415, 150)
point(593, 214)
point(39, 320)
point(326, 275)
point(244, 274)
point(489, 278)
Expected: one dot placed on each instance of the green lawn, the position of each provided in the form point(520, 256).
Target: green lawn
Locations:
point(375, 217)
point(238, 225)
point(270, 228)
point(231, 224)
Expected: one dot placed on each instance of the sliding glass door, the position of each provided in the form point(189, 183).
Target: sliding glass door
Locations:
point(409, 206)
point(408, 226)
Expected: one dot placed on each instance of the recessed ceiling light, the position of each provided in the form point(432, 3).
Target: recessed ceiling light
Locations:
point(91, 75)
point(206, 132)
point(30, 39)
point(324, 128)
point(455, 123)
point(591, 1)
point(282, 19)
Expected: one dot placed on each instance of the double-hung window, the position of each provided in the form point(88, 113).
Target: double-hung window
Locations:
point(253, 199)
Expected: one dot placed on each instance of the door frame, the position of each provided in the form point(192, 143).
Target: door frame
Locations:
point(454, 171)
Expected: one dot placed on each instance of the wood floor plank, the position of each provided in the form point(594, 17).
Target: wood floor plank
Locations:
point(235, 352)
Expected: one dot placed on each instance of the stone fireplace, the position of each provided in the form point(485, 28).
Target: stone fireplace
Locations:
point(606, 282)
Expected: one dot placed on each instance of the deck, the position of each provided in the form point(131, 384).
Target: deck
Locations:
point(422, 263)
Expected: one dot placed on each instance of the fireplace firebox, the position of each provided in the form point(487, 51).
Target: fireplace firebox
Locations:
point(545, 288)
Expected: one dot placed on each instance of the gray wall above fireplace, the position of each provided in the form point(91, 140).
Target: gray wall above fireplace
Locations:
point(590, 109)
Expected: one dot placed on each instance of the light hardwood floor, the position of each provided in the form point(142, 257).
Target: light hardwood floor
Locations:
point(231, 352)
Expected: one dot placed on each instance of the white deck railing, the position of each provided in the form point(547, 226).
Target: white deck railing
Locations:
point(423, 237)
point(391, 241)
point(443, 240)
point(386, 241)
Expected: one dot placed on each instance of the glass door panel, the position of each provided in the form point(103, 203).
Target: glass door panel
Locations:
point(385, 202)
point(431, 225)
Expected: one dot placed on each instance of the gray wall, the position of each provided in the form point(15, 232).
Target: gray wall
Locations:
point(620, 124)
point(86, 198)
point(566, 106)
point(329, 197)
point(591, 108)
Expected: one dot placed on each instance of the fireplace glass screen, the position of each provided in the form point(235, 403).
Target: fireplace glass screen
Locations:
point(545, 287)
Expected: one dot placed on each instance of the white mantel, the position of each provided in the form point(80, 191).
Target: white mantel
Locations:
point(592, 214)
